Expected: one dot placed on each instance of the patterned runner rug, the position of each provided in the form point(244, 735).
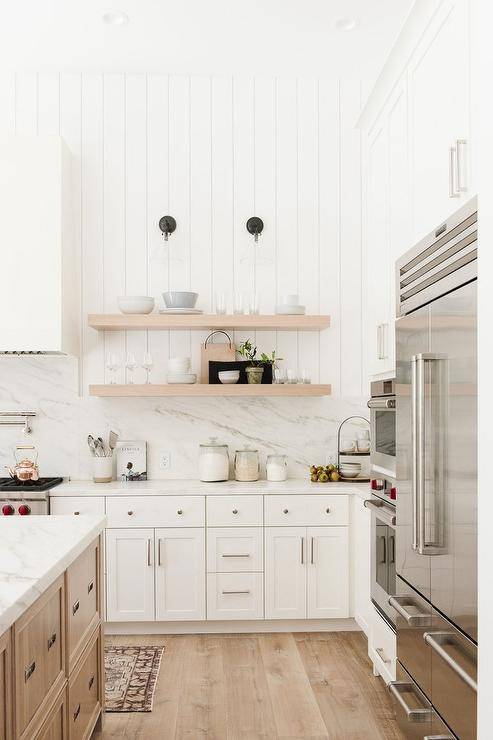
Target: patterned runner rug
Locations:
point(131, 675)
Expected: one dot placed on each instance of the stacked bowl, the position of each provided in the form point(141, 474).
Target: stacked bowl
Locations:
point(350, 470)
point(179, 371)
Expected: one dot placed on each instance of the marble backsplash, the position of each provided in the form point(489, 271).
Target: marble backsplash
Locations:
point(305, 429)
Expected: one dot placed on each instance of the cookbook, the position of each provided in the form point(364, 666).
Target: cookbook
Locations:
point(131, 460)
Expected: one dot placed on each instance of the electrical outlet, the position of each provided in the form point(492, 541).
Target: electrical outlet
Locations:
point(164, 461)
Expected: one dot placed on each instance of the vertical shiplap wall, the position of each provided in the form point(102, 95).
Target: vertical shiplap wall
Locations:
point(211, 151)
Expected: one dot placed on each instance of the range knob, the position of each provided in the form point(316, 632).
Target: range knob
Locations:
point(7, 510)
point(393, 493)
point(24, 510)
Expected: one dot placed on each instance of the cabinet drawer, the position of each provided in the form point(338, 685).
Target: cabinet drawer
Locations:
point(39, 657)
point(235, 596)
point(306, 510)
point(82, 601)
point(231, 511)
point(383, 649)
point(155, 511)
point(84, 691)
point(77, 505)
point(231, 550)
point(54, 726)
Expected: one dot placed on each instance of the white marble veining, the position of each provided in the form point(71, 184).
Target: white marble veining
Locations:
point(303, 428)
point(34, 551)
point(196, 487)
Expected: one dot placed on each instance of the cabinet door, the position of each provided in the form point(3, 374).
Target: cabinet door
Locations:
point(130, 575)
point(328, 572)
point(180, 573)
point(285, 572)
point(5, 686)
point(377, 250)
point(439, 105)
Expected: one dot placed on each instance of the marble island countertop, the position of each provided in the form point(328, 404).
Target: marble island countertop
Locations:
point(196, 487)
point(34, 551)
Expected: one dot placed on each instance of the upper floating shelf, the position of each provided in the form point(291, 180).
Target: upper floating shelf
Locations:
point(119, 322)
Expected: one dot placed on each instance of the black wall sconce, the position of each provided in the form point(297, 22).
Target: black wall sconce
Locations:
point(167, 224)
point(255, 226)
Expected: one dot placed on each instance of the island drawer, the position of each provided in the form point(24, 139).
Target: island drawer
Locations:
point(155, 511)
point(83, 601)
point(76, 505)
point(232, 550)
point(84, 690)
point(309, 510)
point(54, 726)
point(39, 657)
point(235, 511)
point(235, 596)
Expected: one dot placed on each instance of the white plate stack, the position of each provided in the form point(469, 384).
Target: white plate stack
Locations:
point(179, 371)
point(290, 306)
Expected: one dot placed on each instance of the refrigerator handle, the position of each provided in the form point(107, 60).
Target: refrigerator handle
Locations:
point(415, 450)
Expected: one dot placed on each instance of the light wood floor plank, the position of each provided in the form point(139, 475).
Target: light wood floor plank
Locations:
point(296, 711)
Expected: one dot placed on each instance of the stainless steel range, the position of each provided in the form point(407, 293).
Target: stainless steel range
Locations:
point(382, 541)
point(28, 498)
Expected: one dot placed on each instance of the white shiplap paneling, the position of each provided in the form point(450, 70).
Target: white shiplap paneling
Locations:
point(211, 152)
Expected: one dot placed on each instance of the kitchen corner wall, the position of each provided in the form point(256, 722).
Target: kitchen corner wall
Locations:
point(210, 151)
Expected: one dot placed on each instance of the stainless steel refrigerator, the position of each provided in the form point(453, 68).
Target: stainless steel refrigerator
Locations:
point(436, 446)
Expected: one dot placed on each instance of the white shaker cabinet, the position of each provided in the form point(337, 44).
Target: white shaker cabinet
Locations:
point(327, 572)
point(285, 572)
point(180, 573)
point(130, 575)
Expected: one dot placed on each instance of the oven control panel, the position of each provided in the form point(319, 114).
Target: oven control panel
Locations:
point(384, 489)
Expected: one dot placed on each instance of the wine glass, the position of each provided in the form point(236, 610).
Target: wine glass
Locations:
point(147, 364)
point(130, 364)
point(112, 365)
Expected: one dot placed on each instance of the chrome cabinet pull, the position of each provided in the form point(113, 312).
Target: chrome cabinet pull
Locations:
point(77, 712)
point(381, 654)
point(179, 512)
point(311, 551)
point(91, 681)
point(76, 513)
point(302, 550)
point(229, 593)
point(438, 737)
point(130, 513)
point(413, 620)
point(90, 587)
point(379, 342)
point(149, 561)
point(327, 510)
point(461, 162)
point(242, 555)
point(28, 672)
point(397, 688)
point(383, 539)
point(51, 641)
point(285, 511)
point(452, 156)
point(437, 641)
point(75, 608)
point(235, 511)
point(159, 558)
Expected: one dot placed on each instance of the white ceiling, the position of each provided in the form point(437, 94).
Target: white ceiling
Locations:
point(201, 36)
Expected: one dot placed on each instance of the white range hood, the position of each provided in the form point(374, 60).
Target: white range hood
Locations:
point(39, 294)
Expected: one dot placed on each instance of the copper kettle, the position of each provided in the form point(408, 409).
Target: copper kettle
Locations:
point(25, 469)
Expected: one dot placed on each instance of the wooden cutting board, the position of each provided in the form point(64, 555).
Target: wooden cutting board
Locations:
point(218, 352)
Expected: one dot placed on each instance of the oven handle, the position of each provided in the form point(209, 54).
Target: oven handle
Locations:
point(381, 403)
point(384, 512)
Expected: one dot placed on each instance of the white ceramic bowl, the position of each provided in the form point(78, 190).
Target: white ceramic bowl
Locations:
point(179, 364)
point(285, 309)
point(186, 378)
point(135, 304)
point(180, 299)
point(228, 377)
point(349, 473)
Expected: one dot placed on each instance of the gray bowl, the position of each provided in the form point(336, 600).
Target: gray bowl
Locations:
point(180, 299)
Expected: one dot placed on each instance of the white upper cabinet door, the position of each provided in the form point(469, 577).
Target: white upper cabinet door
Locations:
point(328, 572)
point(37, 242)
point(130, 575)
point(377, 289)
point(180, 574)
point(439, 118)
point(285, 572)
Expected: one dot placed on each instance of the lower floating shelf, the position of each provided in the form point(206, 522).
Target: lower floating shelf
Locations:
point(201, 389)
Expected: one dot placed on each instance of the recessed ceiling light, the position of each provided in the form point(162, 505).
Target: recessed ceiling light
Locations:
point(346, 24)
point(116, 18)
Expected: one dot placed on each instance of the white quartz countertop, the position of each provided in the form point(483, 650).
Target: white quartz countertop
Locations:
point(196, 487)
point(34, 551)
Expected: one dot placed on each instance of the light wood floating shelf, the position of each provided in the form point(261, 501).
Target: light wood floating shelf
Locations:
point(202, 389)
point(119, 322)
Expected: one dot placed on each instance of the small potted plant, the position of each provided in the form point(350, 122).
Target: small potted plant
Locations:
point(255, 369)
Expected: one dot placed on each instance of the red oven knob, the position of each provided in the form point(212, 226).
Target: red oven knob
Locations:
point(7, 510)
point(393, 493)
point(376, 484)
point(24, 509)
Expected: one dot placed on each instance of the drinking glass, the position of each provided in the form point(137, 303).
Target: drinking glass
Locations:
point(112, 366)
point(220, 303)
point(130, 364)
point(147, 365)
point(292, 375)
point(238, 303)
point(253, 304)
